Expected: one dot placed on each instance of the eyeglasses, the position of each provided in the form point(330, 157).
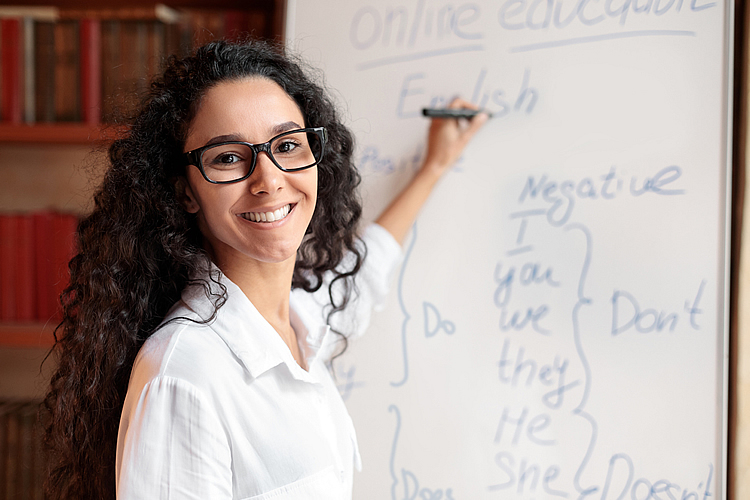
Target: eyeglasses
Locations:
point(233, 161)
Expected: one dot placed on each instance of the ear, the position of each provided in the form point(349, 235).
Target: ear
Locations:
point(185, 195)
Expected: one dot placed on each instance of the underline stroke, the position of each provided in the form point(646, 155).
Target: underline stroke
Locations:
point(599, 38)
point(418, 55)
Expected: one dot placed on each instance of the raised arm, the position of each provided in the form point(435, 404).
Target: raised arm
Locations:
point(446, 141)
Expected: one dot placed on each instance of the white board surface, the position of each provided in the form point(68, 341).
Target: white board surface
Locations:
point(558, 328)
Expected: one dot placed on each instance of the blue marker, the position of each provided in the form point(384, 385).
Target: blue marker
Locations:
point(453, 113)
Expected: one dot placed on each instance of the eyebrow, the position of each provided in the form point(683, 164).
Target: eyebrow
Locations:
point(224, 138)
point(276, 130)
point(285, 127)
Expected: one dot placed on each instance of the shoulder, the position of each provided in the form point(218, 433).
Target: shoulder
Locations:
point(381, 245)
point(184, 348)
point(383, 257)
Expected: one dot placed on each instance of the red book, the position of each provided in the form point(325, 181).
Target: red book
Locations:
point(12, 46)
point(44, 71)
point(24, 250)
point(8, 232)
point(63, 249)
point(46, 302)
point(91, 70)
point(67, 71)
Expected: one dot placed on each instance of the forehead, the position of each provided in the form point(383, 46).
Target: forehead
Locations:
point(250, 108)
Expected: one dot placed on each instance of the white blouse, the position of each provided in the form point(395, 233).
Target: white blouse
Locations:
point(222, 410)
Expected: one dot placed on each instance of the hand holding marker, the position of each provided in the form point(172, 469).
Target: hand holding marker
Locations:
point(453, 113)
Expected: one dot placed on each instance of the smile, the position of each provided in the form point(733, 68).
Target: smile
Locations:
point(267, 216)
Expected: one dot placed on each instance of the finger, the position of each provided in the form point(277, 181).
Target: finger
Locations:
point(474, 125)
point(458, 103)
point(477, 122)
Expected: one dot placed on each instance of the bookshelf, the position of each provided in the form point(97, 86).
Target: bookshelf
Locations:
point(69, 66)
point(155, 29)
point(33, 334)
point(57, 133)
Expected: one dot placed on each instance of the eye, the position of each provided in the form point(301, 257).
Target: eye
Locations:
point(227, 158)
point(286, 146)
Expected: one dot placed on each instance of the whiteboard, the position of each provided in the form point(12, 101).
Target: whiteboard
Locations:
point(558, 328)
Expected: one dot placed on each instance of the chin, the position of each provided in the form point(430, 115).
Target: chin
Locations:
point(275, 256)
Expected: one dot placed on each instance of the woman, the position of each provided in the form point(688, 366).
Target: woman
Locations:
point(187, 368)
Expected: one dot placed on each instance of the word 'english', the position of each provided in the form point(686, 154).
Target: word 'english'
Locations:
point(414, 95)
point(405, 26)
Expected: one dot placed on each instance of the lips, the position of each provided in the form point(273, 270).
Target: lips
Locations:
point(276, 215)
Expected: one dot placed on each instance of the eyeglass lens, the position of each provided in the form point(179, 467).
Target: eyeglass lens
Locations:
point(227, 162)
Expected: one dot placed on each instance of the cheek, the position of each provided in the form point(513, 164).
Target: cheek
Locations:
point(313, 190)
point(215, 208)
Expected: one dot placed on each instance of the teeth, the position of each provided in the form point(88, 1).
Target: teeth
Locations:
point(268, 216)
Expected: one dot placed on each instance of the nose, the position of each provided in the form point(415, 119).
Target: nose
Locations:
point(267, 178)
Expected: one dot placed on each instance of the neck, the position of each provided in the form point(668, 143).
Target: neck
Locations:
point(266, 285)
point(268, 289)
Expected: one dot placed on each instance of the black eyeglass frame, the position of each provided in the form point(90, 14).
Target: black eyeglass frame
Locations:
point(194, 157)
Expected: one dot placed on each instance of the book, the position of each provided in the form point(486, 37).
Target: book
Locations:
point(3, 443)
point(235, 24)
point(129, 59)
point(35, 250)
point(259, 24)
point(8, 224)
point(158, 12)
point(39, 465)
point(177, 38)
point(110, 61)
point(46, 302)
point(44, 71)
point(155, 48)
point(40, 13)
point(84, 64)
point(29, 80)
point(12, 47)
point(11, 465)
point(24, 262)
point(206, 25)
point(91, 70)
point(67, 71)
point(21, 455)
point(133, 67)
point(63, 249)
point(25, 450)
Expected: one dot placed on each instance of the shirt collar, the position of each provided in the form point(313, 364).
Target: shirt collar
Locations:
point(247, 333)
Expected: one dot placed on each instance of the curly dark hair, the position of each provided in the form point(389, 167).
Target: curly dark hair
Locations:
point(139, 248)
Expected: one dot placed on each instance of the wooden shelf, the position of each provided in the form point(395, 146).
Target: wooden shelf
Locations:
point(27, 334)
point(58, 133)
point(94, 4)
